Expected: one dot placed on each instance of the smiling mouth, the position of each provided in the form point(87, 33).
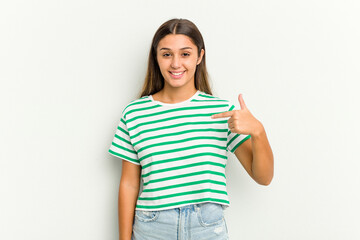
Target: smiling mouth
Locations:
point(177, 73)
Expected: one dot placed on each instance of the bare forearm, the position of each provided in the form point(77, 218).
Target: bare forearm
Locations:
point(263, 160)
point(126, 210)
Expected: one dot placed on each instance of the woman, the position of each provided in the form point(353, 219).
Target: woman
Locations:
point(175, 138)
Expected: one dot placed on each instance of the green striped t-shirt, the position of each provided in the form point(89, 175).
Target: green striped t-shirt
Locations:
point(181, 149)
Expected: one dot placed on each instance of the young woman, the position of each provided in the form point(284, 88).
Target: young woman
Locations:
point(175, 138)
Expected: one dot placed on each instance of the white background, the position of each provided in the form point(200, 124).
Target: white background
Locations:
point(68, 68)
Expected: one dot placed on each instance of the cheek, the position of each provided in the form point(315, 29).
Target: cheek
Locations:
point(191, 64)
point(162, 64)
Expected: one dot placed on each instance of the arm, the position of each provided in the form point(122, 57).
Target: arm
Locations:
point(128, 193)
point(256, 157)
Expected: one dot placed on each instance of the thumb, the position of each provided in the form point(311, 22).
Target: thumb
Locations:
point(241, 101)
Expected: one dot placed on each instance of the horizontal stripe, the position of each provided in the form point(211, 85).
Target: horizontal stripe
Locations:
point(123, 156)
point(176, 110)
point(141, 109)
point(206, 96)
point(179, 133)
point(184, 175)
point(213, 100)
point(182, 194)
point(123, 121)
point(174, 126)
point(181, 149)
point(246, 138)
point(228, 144)
point(183, 166)
point(122, 139)
point(137, 102)
point(176, 118)
point(124, 148)
point(184, 185)
point(182, 202)
point(185, 157)
point(181, 141)
point(123, 130)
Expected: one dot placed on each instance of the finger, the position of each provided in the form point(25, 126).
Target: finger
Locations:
point(223, 114)
point(241, 101)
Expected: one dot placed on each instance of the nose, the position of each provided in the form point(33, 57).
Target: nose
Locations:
point(175, 62)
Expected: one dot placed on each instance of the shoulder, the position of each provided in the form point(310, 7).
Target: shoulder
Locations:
point(213, 99)
point(135, 104)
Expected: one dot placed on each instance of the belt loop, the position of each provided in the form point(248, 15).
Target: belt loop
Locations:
point(196, 206)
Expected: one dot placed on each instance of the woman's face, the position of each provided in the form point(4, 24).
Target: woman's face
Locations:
point(177, 57)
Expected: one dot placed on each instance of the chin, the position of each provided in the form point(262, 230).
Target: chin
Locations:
point(176, 84)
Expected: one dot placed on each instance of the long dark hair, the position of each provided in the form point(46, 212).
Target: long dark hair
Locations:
point(154, 81)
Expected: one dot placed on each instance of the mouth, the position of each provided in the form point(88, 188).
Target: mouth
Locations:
point(176, 74)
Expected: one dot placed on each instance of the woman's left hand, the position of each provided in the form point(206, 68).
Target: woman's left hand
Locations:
point(242, 121)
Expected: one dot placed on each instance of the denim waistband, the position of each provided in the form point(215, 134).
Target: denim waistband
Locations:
point(192, 207)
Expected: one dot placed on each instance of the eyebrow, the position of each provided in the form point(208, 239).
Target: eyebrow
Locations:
point(180, 48)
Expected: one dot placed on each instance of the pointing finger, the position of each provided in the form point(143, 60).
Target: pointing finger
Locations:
point(223, 114)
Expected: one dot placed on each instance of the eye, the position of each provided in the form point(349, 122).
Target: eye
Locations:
point(186, 54)
point(166, 54)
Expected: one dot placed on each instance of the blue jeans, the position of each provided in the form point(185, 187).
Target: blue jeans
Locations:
point(204, 221)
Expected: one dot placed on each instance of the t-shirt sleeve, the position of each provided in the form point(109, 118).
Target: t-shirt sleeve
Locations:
point(121, 145)
point(234, 140)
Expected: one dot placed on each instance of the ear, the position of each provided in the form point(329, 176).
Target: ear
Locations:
point(200, 57)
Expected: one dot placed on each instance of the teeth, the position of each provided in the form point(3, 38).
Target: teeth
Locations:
point(177, 74)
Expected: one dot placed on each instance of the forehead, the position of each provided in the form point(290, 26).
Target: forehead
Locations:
point(175, 42)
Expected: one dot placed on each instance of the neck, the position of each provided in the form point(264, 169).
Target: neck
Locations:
point(175, 95)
